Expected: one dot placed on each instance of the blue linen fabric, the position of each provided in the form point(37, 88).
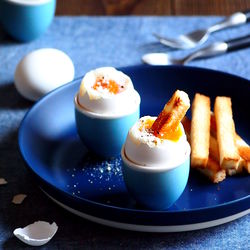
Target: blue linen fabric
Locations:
point(93, 42)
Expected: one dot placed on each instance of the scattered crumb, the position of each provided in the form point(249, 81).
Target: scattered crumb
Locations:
point(3, 181)
point(19, 198)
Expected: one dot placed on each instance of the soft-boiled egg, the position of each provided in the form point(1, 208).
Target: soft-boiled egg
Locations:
point(108, 91)
point(144, 148)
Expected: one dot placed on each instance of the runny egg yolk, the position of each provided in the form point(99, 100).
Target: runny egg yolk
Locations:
point(173, 135)
point(112, 86)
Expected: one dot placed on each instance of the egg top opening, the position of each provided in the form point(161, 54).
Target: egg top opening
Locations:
point(141, 132)
point(104, 83)
point(144, 148)
point(160, 140)
point(107, 85)
point(108, 91)
point(172, 135)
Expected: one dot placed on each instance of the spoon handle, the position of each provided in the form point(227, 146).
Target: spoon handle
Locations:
point(235, 19)
point(219, 48)
point(214, 49)
point(238, 43)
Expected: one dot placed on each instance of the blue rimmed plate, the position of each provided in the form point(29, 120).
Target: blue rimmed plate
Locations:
point(94, 189)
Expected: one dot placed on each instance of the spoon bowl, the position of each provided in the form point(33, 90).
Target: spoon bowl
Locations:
point(160, 59)
point(187, 41)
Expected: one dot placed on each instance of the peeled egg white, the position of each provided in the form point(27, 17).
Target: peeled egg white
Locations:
point(104, 102)
point(41, 71)
point(140, 148)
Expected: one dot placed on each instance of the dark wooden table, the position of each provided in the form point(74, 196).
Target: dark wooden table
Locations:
point(150, 7)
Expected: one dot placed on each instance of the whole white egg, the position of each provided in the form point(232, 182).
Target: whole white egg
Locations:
point(41, 71)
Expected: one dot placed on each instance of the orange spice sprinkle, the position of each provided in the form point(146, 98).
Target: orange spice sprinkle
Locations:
point(112, 86)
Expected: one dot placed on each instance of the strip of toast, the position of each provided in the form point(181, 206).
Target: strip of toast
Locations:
point(214, 148)
point(242, 146)
point(213, 145)
point(173, 112)
point(187, 127)
point(229, 157)
point(244, 151)
point(213, 128)
point(238, 170)
point(213, 171)
point(200, 130)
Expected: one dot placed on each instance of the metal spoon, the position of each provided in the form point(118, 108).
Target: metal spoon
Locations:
point(197, 37)
point(214, 49)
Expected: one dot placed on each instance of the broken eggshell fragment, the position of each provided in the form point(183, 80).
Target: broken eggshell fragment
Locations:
point(36, 234)
point(3, 181)
point(18, 199)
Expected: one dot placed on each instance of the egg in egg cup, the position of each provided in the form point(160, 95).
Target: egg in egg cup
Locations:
point(156, 156)
point(106, 107)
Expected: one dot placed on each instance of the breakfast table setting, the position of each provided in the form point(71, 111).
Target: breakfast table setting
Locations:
point(30, 192)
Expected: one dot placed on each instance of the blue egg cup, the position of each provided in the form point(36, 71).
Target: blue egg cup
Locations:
point(158, 188)
point(103, 135)
point(26, 22)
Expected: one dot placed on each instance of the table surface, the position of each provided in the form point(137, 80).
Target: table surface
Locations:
point(94, 42)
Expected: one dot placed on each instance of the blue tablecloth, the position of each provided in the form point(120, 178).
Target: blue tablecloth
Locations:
point(92, 42)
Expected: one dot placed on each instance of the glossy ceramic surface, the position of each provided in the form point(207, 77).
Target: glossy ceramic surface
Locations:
point(93, 188)
point(104, 136)
point(26, 22)
point(155, 189)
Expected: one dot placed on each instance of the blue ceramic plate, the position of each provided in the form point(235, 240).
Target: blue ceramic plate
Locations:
point(94, 189)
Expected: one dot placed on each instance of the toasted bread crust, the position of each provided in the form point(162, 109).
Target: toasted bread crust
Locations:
point(172, 114)
point(239, 170)
point(213, 128)
point(186, 124)
point(200, 131)
point(244, 151)
point(229, 156)
point(213, 171)
point(242, 146)
point(187, 127)
point(213, 144)
point(214, 149)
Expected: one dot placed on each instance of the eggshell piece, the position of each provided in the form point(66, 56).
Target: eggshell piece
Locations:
point(36, 234)
point(41, 71)
point(3, 181)
point(18, 199)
